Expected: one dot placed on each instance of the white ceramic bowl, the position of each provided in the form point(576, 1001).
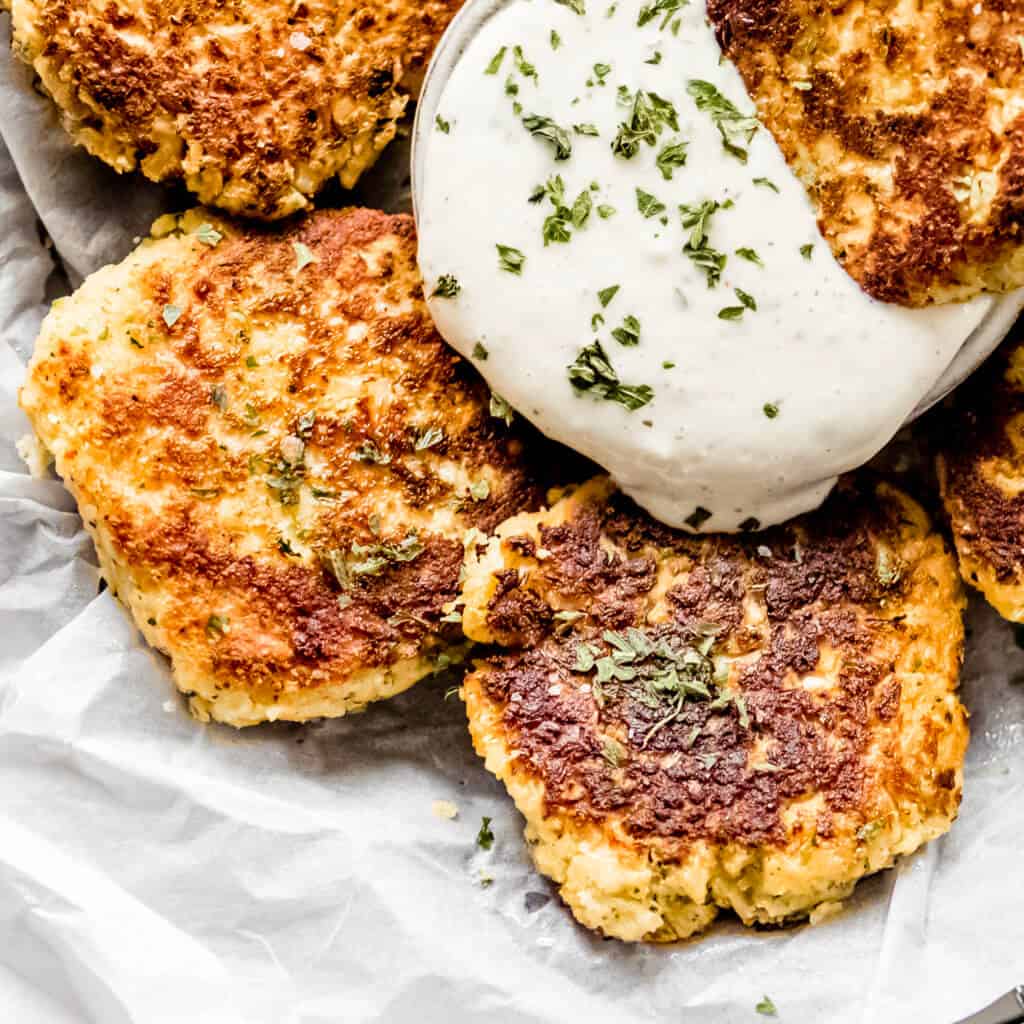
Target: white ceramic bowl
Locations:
point(983, 340)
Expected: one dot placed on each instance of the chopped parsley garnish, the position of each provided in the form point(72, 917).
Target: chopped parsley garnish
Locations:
point(288, 468)
point(736, 129)
point(766, 1007)
point(695, 219)
point(648, 205)
point(495, 66)
point(208, 235)
point(501, 410)
point(576, 6)
point(586, 129)
point(660, 674)
point(219, 397)
point(370, 453)
point(601, 72)
point(771, 410)
point(442, 124)
point(485, 837)
point(651, 11)
point(629, 333)
point(593, 373)
point(429, 437)
point(596, 321)
point(447, 287)
point(171, 314)
point(649, 115)
point(746, 298)
point(216, 626)
point(604, 211)
point(731, 313)
point(605, 295)
point(655, 58)
point(546, 129)
point(556, 40)
point(303, 257)
point(750, 255)
point(612, 752)
point(524, 67)
point(480, 351)
point(581, 209)
point(671, 156)
point(807, 250)
point(766, 183)
point(556, 229)
point(370, 559)
point(510, 259)
point(251, 363)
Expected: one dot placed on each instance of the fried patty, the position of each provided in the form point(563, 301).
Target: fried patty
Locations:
point(277, 457)
point(906, 123)
point(981, 475)
point(254, 105)
point(692, 723)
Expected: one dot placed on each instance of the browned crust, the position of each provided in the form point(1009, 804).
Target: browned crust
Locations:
point(830, 607)
point(904, 122)
point(174, 450)
point(981, 467)
point(255, 103)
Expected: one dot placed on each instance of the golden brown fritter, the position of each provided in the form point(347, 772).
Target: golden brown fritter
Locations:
point(748, 722)
point(981, 474)
point(254, 105)
point(906, 123)
point(277, 456)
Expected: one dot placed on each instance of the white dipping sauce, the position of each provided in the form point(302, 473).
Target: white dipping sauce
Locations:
point(752, 418)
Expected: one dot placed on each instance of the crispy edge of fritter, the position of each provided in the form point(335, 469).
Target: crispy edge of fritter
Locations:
point(204, 107)
point(980, 466)
point(55, 375)
point(910, 141)
point(658, 890)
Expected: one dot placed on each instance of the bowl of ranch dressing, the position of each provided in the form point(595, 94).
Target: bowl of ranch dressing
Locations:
point(618, 245)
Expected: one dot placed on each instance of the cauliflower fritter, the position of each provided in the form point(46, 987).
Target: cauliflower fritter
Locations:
point(981, 476)
point(254, 106)
point(277, 457)
point(691, 723)
point(905, 121)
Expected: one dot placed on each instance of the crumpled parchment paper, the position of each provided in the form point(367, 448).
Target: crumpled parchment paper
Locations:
point(154, 870)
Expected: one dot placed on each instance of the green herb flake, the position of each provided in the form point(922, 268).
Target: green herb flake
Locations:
point(649, 115)
point(604, 211)
point(601, 72)
point(807, 250)
point(671, 156)
point(303, 257)
point(442, 125)
point(509, 259)
point(545, 128)
point(501, 410)
point(485, 837)
point(250, 362)
point(576, 6)
point(216, 626)
point(495, 65)
point(660, 7)
point(771, 410)
point(368, 452)
point(750, 255)
point(629, 333)
point(447, 287)
point(746, 298)
point(208, 235)
point(648, 205)
point(430, 437)
point(480, 351)
point(586, 129)
point(596, 321)
point(655, 58)
point(605, 295)
point(556, 40)
point(696, 218)
point(219, 397)
point(555, 229)
point(523, 66)
point(171, 313)
point(479, 490)
point(612, 752)
point(206, 493)
point(592, 373)
point(766, 1007)
point(581, 209)
point(766, 183)
point(735, 128)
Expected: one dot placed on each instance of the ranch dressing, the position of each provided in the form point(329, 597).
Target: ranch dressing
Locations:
point(737, 368)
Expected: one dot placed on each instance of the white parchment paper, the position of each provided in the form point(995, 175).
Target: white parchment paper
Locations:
point(154, 870)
